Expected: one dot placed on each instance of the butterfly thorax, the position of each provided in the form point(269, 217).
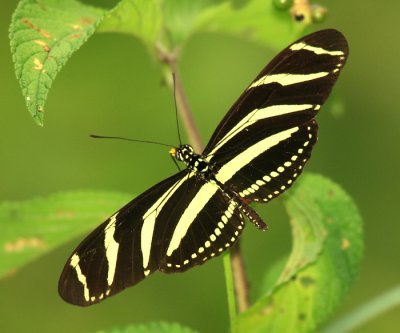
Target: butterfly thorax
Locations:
point(195, 162)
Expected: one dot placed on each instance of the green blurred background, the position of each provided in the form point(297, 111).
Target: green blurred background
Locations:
point(112, 87)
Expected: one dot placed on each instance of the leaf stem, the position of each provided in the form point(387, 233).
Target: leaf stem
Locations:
point(235, 273)
point(366, 312)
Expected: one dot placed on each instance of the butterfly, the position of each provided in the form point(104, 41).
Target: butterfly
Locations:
point(256, 153)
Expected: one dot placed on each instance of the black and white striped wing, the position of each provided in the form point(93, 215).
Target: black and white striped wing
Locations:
point(200, 227)
point(117, 253)
point(257, 151)
point(264, 140)
point(178, 223)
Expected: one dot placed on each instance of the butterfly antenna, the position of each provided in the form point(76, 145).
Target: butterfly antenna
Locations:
point(176, 110)
point(128, 139)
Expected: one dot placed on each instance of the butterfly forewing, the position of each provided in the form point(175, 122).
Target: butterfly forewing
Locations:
point(117, 253)
point(288, 91)
point(273, 118)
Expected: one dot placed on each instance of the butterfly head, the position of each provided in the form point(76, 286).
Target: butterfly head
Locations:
point(183, 153)
point(195, 162)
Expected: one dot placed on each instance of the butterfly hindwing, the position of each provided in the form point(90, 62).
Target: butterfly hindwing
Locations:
point(207, 224)
point(275, 169)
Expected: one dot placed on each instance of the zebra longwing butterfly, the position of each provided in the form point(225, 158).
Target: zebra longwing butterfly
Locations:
point(256, 153)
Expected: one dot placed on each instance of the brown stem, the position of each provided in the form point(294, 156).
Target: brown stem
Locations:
point(183, 105)
point(240, 278)
point(237, 262)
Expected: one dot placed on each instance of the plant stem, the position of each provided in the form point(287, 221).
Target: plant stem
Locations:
point(233, 263)
point(182, 103)
point(384, 302)
point(230, 290)
point(241, 282)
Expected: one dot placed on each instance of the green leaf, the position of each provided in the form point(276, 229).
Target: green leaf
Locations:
point(158, 24)
point(327, 249)
point(32, 228)
point(142, 19)
point(181, 17)
point(44, 34)
point(272, 275)
point(256, 20)
point(161, 327)
point(169, 24)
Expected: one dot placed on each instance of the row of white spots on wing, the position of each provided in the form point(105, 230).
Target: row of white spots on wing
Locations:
point(339, 65)
point(149, 220)
point(314, 49)
point(229, 169)
point(74, 263)
point(101, 296)
point(306, 143)
point(217, 232)
point(256, 115)
point(226, 216)
point(274, 174)
point(286, 79)
point(111, 246)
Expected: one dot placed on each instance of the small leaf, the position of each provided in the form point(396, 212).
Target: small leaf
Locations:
point(161, 327)
point(256, 20)
point(181, 17)
point(44, 34)
point(32, 228)
point(327, 249)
